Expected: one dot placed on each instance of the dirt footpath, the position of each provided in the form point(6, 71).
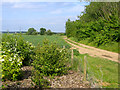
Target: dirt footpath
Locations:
point(92, 51)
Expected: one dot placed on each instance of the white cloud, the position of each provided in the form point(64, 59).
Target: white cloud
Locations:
point(28, 5)
point(76, 8)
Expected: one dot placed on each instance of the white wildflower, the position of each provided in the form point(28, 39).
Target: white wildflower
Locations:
point(18, 59)
point(15, 49)
point(8, 50)
point(14, 56)
point(19, 52)
point(4, 55)
point(60, 50)
point(1, 60)
point(10, 59)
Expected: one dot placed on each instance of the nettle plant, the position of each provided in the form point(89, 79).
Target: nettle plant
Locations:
point(15, 53)
point(50, 60)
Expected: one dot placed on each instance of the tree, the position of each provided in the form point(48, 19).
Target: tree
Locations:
point(42, 31)
point(98, 23)
point(48, 32)
point(31, 31)
point(35, 33)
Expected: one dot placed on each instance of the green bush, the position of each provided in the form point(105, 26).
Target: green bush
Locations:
point(38, 79)
point(15, 53)
point(16, 44)
point(11, 64)
point(50, 60)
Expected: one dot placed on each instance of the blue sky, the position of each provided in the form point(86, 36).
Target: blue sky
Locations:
point(18, 16)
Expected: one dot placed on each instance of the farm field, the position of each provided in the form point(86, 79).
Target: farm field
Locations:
point(35, 39)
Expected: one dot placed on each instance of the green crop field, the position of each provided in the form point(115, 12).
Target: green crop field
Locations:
point(35, 39)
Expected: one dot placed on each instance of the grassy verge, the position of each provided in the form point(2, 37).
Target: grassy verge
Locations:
point(112, 46)
point(97, 68)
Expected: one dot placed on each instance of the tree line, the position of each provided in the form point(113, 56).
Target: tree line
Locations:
point(43, 31)
point(99, 23)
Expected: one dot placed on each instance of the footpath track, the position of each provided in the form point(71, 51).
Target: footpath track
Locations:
point(92, 51)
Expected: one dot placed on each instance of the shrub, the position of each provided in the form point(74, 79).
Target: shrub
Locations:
point(16, 44)
point(15, 53)
point(50, 60)
point(11, 64)
point(38, 79)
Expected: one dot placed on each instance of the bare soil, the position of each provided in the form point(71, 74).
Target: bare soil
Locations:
point(94, 52)
point(26, 81)
point(71, 80)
